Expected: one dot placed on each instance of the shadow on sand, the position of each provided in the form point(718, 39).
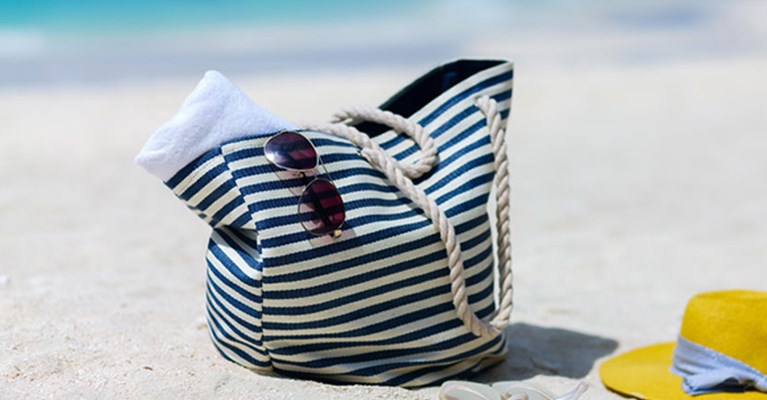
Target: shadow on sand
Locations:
point(535, 350)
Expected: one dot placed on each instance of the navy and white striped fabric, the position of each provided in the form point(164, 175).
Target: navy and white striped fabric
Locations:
point(373, 306)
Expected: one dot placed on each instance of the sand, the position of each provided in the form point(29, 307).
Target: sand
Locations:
point(633, 189)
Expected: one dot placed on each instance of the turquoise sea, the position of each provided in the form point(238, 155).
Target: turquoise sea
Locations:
point(94, 41)
point(83, 16)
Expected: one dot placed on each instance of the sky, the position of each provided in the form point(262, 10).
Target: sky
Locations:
point(46, 42)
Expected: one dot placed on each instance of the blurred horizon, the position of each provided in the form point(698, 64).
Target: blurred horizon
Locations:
point(88, 41)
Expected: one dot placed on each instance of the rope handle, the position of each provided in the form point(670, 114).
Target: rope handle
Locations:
point(429, 158)
point(402, 175)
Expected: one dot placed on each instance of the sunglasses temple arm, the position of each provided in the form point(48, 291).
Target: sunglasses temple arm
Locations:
point(575, 393)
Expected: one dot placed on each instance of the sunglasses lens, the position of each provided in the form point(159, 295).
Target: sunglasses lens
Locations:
point(321, 209)
point(291, 150)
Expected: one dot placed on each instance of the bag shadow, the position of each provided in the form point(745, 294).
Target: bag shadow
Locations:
point(536, 350)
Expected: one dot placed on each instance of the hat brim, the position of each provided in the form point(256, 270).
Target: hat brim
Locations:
point(645, 374)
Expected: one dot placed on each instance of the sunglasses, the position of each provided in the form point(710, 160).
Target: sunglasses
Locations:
point(320, 207)
point(462, 390)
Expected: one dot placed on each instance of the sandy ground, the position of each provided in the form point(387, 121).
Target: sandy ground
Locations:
point(634, 188)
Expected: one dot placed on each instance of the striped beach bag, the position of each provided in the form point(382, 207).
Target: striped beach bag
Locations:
point(411, 285)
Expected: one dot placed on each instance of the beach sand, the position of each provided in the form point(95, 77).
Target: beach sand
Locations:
point(633, 189)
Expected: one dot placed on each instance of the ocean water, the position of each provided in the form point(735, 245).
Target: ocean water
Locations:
point(88, 16)
point(45, 42)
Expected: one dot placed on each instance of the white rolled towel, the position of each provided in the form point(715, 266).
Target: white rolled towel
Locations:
point(214, 113)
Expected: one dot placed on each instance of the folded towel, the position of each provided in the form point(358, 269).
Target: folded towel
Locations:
point(216, 112)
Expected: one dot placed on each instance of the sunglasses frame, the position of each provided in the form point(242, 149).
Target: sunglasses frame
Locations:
point(302, 173)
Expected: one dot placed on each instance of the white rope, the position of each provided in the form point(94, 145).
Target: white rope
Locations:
point(402, 175)
point(502, 199)
point(400, 124)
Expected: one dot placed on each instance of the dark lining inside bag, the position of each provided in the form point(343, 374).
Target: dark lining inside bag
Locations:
point(425, 89)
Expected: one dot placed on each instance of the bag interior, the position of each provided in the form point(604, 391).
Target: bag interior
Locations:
point(426, 88)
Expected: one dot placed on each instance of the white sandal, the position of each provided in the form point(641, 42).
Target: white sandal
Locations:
point(463, 390)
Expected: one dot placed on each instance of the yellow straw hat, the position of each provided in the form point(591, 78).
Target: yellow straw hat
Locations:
point(721, 352)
